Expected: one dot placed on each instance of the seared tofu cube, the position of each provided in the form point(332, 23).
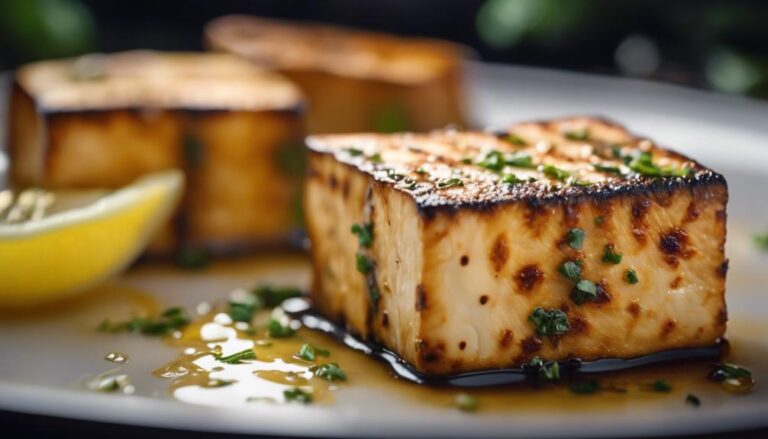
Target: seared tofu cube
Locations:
point(354, 80)
point(101, 121)
point(464, 251)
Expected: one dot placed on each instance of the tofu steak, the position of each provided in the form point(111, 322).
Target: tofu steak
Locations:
point(464, 251)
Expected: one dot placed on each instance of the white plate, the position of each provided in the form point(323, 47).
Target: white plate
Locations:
point(42, 358)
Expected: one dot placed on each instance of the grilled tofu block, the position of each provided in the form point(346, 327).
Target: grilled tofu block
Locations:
point(464, 251)
point(103, 120)
point(354, 80)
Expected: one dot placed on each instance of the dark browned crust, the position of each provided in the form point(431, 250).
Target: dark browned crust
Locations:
point(539, 197)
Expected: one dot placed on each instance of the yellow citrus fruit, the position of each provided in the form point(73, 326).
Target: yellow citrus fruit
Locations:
point(46, 257)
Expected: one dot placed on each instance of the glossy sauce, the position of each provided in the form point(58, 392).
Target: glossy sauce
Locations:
point(198, 378)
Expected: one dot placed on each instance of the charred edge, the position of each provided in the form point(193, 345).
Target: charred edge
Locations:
point(430, 354)
point(538, 199)
point(294, 110)
point(722, 316)
point(722, 269)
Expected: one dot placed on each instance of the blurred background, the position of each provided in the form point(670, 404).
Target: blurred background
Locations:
point(720, 45)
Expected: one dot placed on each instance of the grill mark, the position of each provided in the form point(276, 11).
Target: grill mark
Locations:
point(531, 344)
point(676, 282)
point(722, 316)
point(674, 244)
point(529, 277)
point(499, 253)
point(640, 209)
point(505, 339)
point(421, 298)
point(668, 326)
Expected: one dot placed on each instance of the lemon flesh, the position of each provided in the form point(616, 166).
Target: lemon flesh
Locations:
point(47, 259)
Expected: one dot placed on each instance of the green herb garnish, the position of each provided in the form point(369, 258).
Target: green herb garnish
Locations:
point(278, 330)
point(761, 241)
point(364, 234)
point(571, 270)
point(310, 353)
point(236, 358)
point(511, 179)
point(642, 163)
point(599, 220)
point(608, 169)
point(329, 371)
point(364, 264)
point(575, 238)
point(422, 171)
point(450, 183)
point(631, 276)
point(661, 385)
point(271, 296)
point(376, 158)
point(354, 152)
point(465, 402)
point(394, 176)
point(170, 320)
point(693, 400)
point(493, 160)
point(586, 388)
point(582, 134)
point(555, 172)
point(550, 322)
point(243, 311)
point(584, 291)
point(520, 161)
point(545, 370)
point(610, 256)
point(516, 140)
point(193, 258)
point(726, 371)
point(296, 394)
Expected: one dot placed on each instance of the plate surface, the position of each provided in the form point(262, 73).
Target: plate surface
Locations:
point(43, 356)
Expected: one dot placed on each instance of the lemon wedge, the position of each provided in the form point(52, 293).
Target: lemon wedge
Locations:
point(46, 257)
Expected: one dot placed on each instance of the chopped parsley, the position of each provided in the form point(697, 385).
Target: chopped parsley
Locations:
point(610, 255)
point(582, 134)
point(642, 163)
point(692, 400)
point(422, 171)
point(599, 220)
point(170, 320)
point(296, 394)
point(584, 291)
point(465, 402)
point(520, 161)
point(631, 276)
point(376, 158)
point(354, 152)
point(364, 234)
point(608, 169)
point(516, 140)
point(661, 385)
point(575, 238)
point(450, 183)
point(586, 387)
point(193, 258)
point(555, 172)
point(394, 176)
point(493, 160)
point(243, 311)
point(549, 322)
point(363, 263)
point(278, 330)
point(545, 370)
point(726, 371)
point(511, 179)
point(571, 270)
point(329, 371)
point(761, 241)
point(271, 296)
point(310, 353)
point(236, 358)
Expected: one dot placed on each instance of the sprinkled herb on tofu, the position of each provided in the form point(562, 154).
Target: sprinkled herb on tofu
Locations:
point(631, 276)
point(549, 322)
point(610, 255)
point(236, 358)
point(575, 238)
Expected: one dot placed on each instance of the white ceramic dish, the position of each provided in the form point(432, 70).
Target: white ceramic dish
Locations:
point(43, 357)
